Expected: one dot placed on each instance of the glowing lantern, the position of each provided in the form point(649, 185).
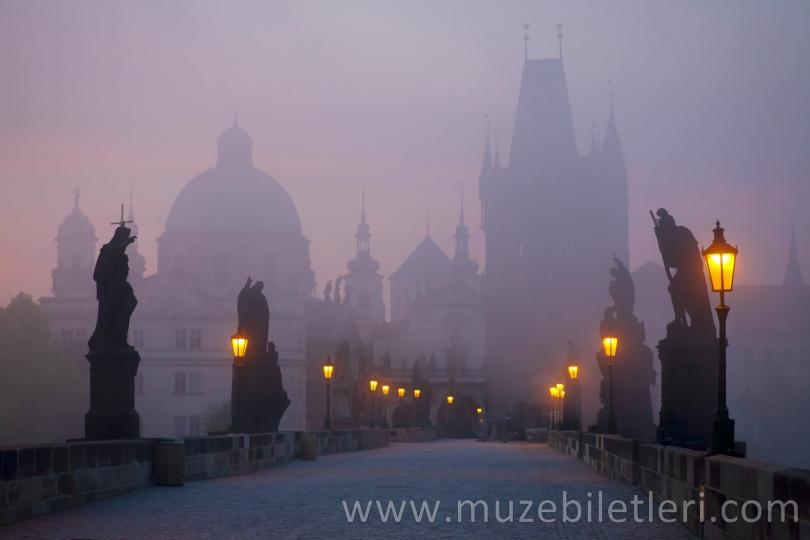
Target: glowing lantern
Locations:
point(573, 372)
point(239, 343)
point(720, 259)
point(609, 345)
point(401, 392)
point(479, 410)
point(385, 389)
point(417, 393)
point(372, 385)
point(450, 399)
point(328, 368)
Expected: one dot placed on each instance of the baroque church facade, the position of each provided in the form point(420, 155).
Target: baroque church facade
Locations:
point(233, 221)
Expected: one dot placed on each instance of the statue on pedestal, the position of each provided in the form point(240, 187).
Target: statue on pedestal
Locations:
point(689, 352)
point(258, 398)
point(633, 371)
point(113, 362)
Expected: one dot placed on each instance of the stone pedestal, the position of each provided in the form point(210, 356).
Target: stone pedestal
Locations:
point(112, 413)
point(689, 374)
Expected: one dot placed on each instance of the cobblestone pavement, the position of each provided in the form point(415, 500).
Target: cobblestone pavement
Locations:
point(304, 499)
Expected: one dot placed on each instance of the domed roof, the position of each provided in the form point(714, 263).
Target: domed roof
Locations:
point(76, 225)
point(234, 195)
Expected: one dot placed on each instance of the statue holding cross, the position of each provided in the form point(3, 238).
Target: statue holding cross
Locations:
point(116, 299)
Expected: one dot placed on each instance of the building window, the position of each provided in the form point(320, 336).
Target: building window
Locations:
point(139, 384)
point(187, 426)
point(181, 339)
point(195, 339)
point(195, 382)
point(188, 383)
point(180, 383)
point(138, 338)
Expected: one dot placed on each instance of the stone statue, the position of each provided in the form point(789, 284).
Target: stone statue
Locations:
point(633, 371)
point(338, 283)
point(327, 292)
point(253, 312)
point(113, 362)
point(116, 299)
point(687, 286)
point(621, 288)
point(258, 398)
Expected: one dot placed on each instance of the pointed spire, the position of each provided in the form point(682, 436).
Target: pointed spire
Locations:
point(363, 205)
point(793, 272)
point(235, 119)
point(497, 149)
point(559, 38)
point(487, 163)
point(525, 42)
point(76, 194)
point(131, 214)
point(427, 222)
point(610, 91)
point(461, 214)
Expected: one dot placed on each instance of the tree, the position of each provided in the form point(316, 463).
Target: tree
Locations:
point(44, 390)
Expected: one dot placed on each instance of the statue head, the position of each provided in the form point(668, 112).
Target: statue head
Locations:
point(259, 286)
point(664, 218)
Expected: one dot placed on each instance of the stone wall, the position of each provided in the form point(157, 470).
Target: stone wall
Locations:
point(681, 475)
point(37, 480)
point(410, 435)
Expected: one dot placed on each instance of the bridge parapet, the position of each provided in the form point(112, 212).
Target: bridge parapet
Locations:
point(682, 475)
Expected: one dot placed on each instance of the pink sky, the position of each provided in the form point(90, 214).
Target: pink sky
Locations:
point(711, 102)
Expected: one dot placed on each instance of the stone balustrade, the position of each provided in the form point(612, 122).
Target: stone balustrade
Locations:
point(37, 480)
point(681, 475)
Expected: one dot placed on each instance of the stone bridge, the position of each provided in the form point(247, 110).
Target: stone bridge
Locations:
point(304, 499)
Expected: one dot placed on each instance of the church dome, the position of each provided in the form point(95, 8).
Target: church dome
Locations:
point(76, 226)
point(233, 195)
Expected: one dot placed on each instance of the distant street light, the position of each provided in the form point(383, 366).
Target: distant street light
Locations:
point(575, 405)
point(720, 260)
point(328, 369)
point(450, 399)
point(372, 386)
point(573, 372)
point(610, 344)
point(401, 392)
point(385, 390)
point(417, 393)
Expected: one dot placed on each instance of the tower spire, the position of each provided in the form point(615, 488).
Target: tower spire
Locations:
point(559, 38)
point(610, 91)
point(363, 205)
point(461, 213)
point(487, 164)
point(427, 222)
point(793, 272)
point(525, 42)
point(131, 213)
point(76, 194)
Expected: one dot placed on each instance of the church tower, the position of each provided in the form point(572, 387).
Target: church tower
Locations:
point(464, 267)
point(553, 219)
point(363, 283)
point(75, 255)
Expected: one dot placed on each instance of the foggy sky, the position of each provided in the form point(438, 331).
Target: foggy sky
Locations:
point(711, 104)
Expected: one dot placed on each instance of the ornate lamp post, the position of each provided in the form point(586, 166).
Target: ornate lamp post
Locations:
point(239, 344)
point(573, 375)
point(720, 260)
point(609, 345)
point(554, 392)
point(372, 386)
point(328, 369)
point(385, 390)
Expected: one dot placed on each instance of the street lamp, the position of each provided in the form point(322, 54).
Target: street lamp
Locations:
point(720, 260)
point(239, 343)
point(575, 404)
point(372, 386)
point(385, 390)
point(554, 392)
point(573, 372)
point(450, 399)
point(328, 369)
point(401, 392)
point(417, 393)
point(610, 343)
